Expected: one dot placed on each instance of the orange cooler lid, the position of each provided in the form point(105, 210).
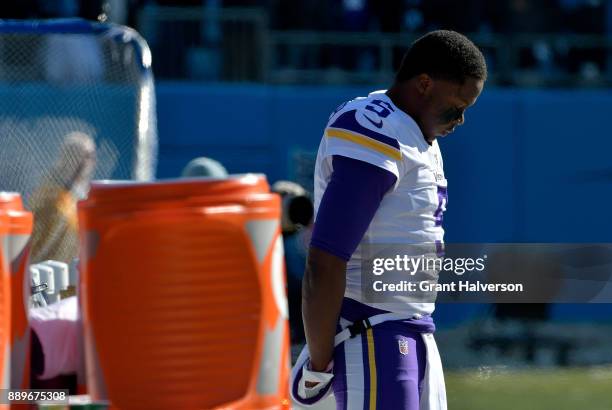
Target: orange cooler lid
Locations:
point(10, 201)
point(130, 194)
point(19, 221)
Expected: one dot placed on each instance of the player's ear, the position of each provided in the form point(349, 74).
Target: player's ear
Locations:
point(424, 83)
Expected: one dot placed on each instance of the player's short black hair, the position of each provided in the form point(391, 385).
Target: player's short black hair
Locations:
point(443, 54)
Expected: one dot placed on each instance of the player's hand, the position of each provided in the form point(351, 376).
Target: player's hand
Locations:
point(327, 369)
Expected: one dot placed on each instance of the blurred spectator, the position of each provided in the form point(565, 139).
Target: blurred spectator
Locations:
point(296, 205)
point(55, 233)
point(204, 167)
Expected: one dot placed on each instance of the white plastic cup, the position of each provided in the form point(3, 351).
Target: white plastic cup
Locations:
point(60, 274)
point(34, 275)
point(47, 275)
point(36, 299)
point(73, 273)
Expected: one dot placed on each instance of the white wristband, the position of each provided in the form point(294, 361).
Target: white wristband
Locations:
point(321, 379)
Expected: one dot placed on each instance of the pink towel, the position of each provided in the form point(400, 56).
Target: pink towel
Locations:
point(58, 329)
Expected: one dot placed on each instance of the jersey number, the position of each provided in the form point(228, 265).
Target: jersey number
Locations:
point(442, 201)
point(381, 108)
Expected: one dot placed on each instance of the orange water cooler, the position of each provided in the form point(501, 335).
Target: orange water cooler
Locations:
point(183, 295)
point(15, 232)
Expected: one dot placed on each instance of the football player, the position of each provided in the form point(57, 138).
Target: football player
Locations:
point(379, 179)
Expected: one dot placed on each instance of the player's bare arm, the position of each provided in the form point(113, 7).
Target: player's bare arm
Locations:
point(338, 230)
point(322, 291)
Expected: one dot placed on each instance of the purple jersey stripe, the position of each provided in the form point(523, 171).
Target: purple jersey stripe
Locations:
point(347, 121)
point(349, 204)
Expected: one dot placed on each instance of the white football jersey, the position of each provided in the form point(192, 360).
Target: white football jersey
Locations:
point(374, 130)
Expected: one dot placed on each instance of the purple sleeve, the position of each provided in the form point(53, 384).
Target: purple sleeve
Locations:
point(349, 203)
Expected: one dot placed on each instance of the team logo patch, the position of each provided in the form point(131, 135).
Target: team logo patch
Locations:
point(403, 346)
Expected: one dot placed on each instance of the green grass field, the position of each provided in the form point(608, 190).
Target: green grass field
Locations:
point(572, 389)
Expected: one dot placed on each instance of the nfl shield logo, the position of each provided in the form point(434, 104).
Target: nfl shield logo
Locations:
point(403, 346)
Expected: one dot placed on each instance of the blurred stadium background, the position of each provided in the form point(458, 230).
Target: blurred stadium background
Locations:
point(251, 84)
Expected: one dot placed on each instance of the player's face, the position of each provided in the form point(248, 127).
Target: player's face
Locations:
point(446, 105)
